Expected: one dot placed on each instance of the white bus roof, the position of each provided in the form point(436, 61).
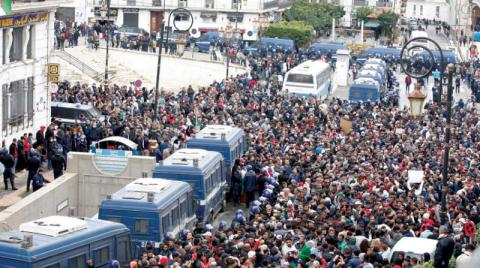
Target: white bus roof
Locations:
point(310, 67)
point(54, 226)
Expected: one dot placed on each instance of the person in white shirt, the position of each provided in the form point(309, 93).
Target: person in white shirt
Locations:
point(464, 259)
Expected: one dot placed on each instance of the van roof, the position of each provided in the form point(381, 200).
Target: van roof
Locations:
point(135, 194)
point(46, 245)
point(196, 158)
point(71, 105)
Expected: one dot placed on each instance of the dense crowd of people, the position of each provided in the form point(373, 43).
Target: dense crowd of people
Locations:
point(318, 193)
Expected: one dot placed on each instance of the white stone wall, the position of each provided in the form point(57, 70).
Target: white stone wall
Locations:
point(36, 67)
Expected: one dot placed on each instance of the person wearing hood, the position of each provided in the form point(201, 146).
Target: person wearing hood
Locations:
point(33, 164)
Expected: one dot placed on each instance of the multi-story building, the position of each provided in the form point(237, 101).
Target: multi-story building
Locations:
point(429, 9)
point(208, 15)
point(26, 36)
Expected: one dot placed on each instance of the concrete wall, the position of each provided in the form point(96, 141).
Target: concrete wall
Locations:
point(54, 199)
point(94, 185)
point(83, 188)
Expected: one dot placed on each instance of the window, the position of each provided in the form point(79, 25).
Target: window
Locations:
point(421, 10)
point(182, 3)
point(77, 262)
point(165, 223)
point(101, 257)
point(53, 266)
point(414, 10)
point(182, 17)
point(184, 209)
point(157, 3)
point(123, 249)
point(30, 46)
point(16, 50)
point(209, 3)
point(300, 78)
point(17, 101)
point(131, 2)
point(437, 12)
point(141, 226)
point(175, 217)
point(236, 4)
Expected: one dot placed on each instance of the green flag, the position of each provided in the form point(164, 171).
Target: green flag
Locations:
point(6, 7)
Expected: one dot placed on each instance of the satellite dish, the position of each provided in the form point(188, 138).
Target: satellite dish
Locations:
point(2, 168)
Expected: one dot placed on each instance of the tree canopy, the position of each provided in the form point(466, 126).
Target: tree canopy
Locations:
point(388, 20)
point(298, 31)
point(318, 15)
point(361, 14)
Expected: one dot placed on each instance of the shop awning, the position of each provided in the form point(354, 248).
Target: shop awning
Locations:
point(372, 24)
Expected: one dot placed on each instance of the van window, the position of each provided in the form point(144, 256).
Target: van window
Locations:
point(166, 222)
point(53, 266)
point(77, 262)
point(141, 226)
point(101, 257)
point(184, 209)
point(123, 249)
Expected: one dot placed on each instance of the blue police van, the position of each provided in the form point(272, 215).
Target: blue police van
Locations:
point(59, 241)
point(267, 43)
point(204, 171)
point(389, 53)
point(152, 209)
point(227, 140)
point(364, 91)
point(317, 50)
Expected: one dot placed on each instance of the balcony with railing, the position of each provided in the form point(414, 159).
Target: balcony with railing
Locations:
point(277, 4)
point(30, 5)
point(360, 3)
point(384, 4)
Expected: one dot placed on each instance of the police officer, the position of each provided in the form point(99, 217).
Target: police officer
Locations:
point(33, 164)
point(58, 164)
point(7, 160)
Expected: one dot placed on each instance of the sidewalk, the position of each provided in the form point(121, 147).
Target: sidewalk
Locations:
point(9, 197)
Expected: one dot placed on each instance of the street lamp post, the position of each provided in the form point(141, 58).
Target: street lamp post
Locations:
point(105, 12)
point(159, 63)
point(408, 48)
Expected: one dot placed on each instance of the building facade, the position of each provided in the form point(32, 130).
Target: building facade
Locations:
point(26, 40)
point(429, 9)
point(208, 15)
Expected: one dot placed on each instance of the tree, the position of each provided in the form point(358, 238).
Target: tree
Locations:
point(318, 15)
point(298, 31)
point(388, 20)
point(361, 14)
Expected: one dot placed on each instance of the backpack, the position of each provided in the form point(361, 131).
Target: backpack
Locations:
point(37, 181)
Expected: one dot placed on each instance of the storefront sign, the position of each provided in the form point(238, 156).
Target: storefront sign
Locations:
point(22, 20)
point(113, 12)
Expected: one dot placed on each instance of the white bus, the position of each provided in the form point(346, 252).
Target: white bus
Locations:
point(311, 78)
point(424, 43)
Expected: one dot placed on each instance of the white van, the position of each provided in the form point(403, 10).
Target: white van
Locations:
point(413, 247)
point(416, 34)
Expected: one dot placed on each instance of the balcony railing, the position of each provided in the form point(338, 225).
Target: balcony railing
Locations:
point(360, 3)
point(277, 4)
point(384, 4)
